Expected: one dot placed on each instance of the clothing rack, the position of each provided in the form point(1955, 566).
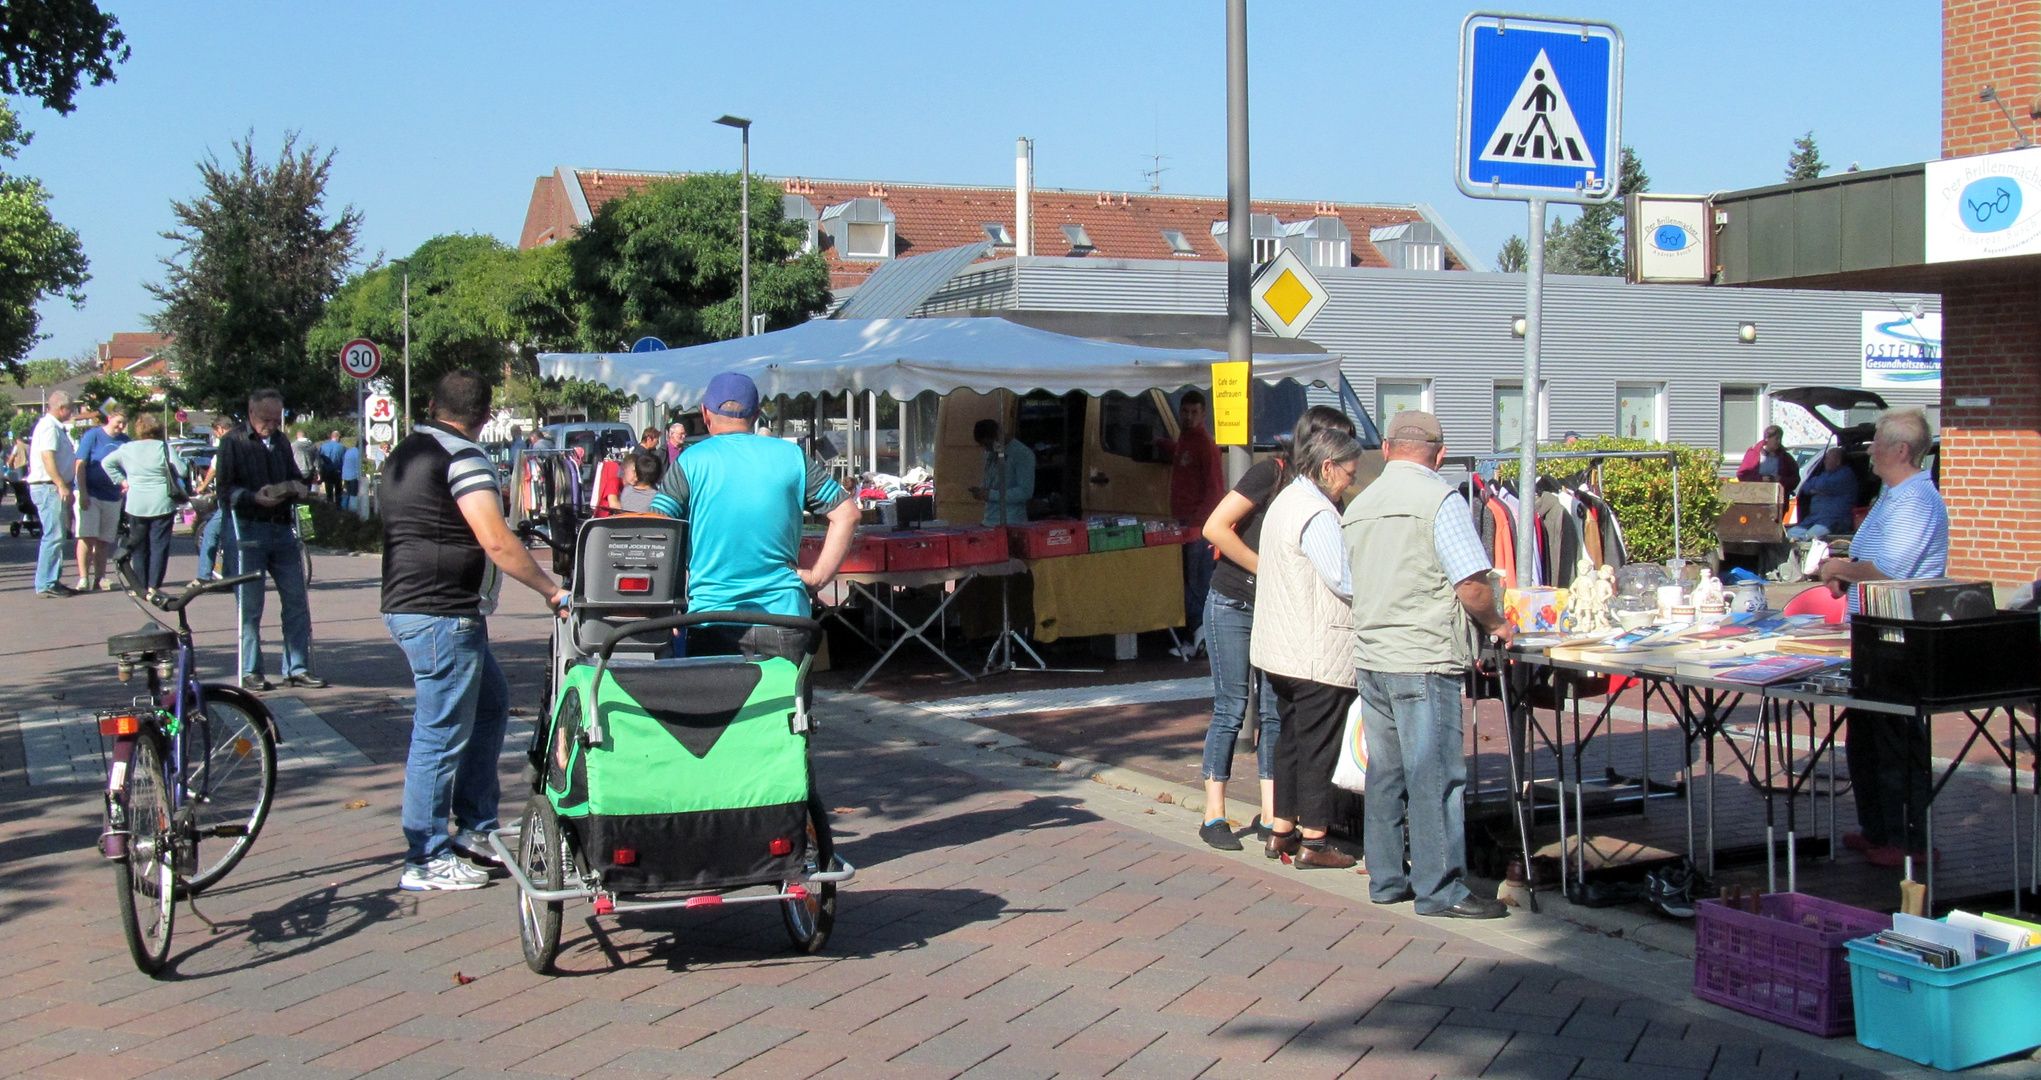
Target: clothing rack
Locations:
point(1475, 463)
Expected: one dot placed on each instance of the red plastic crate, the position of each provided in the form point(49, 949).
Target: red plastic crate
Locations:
point(916, 551)
point(1048, 539)
point(1786, 964)
point(1169, 532)
point(977, 546)
point(865, 556)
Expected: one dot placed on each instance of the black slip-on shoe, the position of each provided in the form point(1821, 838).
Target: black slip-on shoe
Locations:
point(1474, 907)
point(1219, 834)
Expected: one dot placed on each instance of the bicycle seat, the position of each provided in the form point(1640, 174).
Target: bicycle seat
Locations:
point(149, 639)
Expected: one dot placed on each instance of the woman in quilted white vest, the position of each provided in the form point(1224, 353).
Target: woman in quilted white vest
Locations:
point(1303, 640)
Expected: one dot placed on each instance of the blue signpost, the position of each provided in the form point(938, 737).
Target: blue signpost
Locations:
point(1541, 109)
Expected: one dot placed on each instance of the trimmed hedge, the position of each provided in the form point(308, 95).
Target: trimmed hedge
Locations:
point(1641, 493)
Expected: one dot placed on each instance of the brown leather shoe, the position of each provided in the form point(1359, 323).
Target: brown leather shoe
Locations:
point(1284, 845)
point(1327, 858)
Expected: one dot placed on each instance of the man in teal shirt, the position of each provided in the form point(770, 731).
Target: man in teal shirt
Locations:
point(743, 495)
point(1009, 475)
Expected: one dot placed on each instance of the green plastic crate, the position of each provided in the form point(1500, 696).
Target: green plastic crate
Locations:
point(1116, 538)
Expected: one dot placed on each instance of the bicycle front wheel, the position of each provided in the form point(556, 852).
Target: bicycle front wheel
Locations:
point(146, 877)
point(229, 782)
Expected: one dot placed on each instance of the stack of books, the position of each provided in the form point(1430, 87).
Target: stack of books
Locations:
point(1962, 938)
point(1939, 599)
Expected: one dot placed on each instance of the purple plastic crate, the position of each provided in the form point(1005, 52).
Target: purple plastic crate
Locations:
point(1786, 964)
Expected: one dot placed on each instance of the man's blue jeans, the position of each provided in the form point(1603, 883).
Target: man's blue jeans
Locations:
point(209, 545)
point(56, 517)
point(1417, 775)
point(1228, 624)
point(456, 729)
point(255, 547)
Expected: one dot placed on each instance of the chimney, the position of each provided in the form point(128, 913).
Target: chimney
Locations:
point(1023, 194)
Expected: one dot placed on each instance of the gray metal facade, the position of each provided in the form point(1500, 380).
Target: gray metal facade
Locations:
point(1452, 329)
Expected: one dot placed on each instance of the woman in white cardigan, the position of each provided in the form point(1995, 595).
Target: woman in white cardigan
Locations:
point(1303, 640)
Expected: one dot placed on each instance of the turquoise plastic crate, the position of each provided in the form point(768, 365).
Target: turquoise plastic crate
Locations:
point(1951, 1018)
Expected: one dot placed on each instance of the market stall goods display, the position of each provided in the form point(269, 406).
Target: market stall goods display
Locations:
point(1114, 592)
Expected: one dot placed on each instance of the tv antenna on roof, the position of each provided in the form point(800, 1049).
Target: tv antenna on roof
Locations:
point(1154, 175)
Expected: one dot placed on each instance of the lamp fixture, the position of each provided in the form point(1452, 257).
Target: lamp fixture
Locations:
point(1518, 327)
point(1747, 332)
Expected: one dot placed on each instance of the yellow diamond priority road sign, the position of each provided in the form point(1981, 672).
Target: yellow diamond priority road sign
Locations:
point(1286, 296)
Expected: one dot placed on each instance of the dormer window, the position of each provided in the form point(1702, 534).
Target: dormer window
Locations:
point(798, 208)
point(998, 233)
point(860, 229)
point(1179, 244)
point(1079, 240)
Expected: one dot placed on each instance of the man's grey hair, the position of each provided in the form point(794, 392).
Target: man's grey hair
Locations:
point(1908, 428)
point(263, 395)
point(57, 399)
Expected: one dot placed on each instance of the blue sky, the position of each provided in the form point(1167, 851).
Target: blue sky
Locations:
point(443, 114)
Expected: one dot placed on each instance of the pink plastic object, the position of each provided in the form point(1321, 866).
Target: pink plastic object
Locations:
point(605, 906)
point(1818, 601)
point(704, 901)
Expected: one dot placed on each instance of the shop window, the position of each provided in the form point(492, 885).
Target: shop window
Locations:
point(1129, 426)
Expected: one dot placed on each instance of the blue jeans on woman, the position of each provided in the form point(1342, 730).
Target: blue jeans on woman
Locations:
point(1417, 777)
point(456, 729)
point(1228, 625)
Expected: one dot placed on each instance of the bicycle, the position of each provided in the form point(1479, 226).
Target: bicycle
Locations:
point(189, 761)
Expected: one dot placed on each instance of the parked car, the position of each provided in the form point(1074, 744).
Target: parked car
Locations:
point(1832, 407)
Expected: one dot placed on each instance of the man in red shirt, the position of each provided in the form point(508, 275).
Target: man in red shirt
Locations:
point(1196, 484)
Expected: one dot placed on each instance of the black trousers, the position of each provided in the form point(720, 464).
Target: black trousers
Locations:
point(1314, 718)
point(150, 538)
point(1890, 776)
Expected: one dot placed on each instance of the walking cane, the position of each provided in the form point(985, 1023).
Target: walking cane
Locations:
point(1516, 788)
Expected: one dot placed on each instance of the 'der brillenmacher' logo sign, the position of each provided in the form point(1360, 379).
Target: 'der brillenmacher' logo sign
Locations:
point(1983, 207)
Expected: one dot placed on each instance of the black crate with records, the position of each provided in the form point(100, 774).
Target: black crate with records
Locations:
point(1940, 641)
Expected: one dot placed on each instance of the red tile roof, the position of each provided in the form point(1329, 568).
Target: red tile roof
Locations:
point(127, 351)
point(931, 217)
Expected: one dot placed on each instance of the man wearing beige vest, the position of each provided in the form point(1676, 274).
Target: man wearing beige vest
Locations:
point(1419, 575)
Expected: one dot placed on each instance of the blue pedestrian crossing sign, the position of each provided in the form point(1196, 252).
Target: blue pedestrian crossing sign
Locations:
point(1541, 105)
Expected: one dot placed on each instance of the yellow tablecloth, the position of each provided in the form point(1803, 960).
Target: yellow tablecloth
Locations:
point(1111, 592)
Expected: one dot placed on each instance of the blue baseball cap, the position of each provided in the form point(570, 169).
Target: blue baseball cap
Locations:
point(732, 386)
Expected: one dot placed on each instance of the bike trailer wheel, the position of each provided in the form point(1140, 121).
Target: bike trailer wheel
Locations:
point(146, 878)
point(543, 856)
point(810, 920)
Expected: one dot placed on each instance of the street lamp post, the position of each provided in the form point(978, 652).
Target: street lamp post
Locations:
point(744, 221)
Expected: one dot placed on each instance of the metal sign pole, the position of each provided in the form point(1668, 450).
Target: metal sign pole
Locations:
point(1239, 234)
point(1527, 473)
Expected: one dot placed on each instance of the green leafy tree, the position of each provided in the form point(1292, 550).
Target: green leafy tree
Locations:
point(1641, 494)
point(45, 372)
point(48, 48)
point(1805, 163)
point(664, 261)
point(1513, 257)
point(257, 261)
point(132, 393)
point(39, 258)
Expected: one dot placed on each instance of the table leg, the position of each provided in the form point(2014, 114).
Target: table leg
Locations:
point(912, 631)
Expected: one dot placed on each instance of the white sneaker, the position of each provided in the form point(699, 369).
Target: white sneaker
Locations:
point(475, 845)
point(446, 873)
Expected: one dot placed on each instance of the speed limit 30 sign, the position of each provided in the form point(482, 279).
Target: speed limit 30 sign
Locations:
point(361, 359)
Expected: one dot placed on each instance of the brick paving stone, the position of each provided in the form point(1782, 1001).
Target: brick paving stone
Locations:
point(1514, 1064)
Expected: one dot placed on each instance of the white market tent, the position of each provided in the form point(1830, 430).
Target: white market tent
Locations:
point(904, 357)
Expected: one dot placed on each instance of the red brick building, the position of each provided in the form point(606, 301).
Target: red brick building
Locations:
point(859, 225)
point(142, 355)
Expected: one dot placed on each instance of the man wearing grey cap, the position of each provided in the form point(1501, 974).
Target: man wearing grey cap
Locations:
point(1420, 575)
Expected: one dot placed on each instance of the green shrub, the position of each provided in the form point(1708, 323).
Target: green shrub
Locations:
point(1641, 493)
point(341, 530)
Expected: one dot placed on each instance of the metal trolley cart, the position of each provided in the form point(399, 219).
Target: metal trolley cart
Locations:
point(662, 781)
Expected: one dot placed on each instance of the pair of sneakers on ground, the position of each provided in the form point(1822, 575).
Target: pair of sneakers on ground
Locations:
point(1289, 847)
point(456, 868)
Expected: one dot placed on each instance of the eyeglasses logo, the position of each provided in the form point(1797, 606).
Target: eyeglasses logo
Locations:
point(1991, 204)
point(1669, 238)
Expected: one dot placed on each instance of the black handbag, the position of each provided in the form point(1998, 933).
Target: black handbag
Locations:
point(179, 487)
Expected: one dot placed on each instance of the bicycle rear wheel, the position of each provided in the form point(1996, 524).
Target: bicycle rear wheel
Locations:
point(146, 877)
point(229, 782)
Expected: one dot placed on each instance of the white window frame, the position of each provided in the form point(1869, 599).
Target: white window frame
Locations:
point(1424, 396)
point(1544, 409)
point(1658, 421)
point(1174, 248)
point(1764, 404)
point(1266, 247)
point(1331, 253)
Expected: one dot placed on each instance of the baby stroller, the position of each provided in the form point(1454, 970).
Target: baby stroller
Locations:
point(25, 504)
point(660, 781)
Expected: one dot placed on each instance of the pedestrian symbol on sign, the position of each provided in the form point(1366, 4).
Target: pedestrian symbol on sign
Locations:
point(1539, 126)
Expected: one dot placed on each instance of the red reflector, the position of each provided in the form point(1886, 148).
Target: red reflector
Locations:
point(704, 901)
point(798, 892)
point(605, 906)
point(634, 584)
point(119, 725)
point(625, 856)
point(782, 846)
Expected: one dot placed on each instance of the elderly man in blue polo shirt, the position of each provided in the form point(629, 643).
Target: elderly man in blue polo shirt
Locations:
point(743, 495)
point(1906, 535)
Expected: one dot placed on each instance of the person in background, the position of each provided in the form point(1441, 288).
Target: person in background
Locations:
point(642, 473)
point(1303, 639)
point(1906, 535)
point(99, 498)
point(742, 495)
point(1768, 462)
point(350, 478)
point(445, 549)
point(209, 528)
point(1009, 475)
point(306, 453)
point(1831, 499)
point(52, 460)
point(676, 440)
point(1420, 575)
point(648, 439)
point(258, 481)
point(330, 453)
point(1234, 530)
point(1196, 484)
point(143, 469)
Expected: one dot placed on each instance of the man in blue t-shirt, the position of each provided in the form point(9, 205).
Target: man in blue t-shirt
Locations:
point(743, 495)
point(99, 498)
